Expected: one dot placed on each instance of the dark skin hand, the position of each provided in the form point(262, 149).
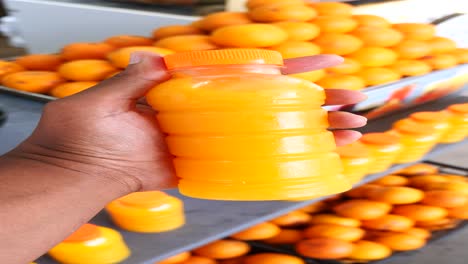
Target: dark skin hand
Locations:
point(93, 147)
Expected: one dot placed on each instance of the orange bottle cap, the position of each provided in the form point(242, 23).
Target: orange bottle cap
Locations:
point(430, 116)
point(459, 108)
point(353, 150)
point(411, 127)
point(145, 199)
point(380, 139)
point(85, 233)
point(223, 57)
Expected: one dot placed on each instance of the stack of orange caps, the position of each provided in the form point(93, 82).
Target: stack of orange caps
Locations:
point(147, 212)
point(459, 123)
point(384, 149)
point(439, 121)
point(417, 139)
point(91, 244)
point(356, 161)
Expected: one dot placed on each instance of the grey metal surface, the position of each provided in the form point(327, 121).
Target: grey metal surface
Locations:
point(34, 96)
point(22, 117)
point(458, 157)
point(207, 220)
point(385, 123)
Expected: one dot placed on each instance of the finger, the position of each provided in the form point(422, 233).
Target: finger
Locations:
point(142, 101)
point(340, 120)
point(144, 72)
point(345, 137)
point(343, 97)
point(145, 109)
point(310, 63)
point(166, 178)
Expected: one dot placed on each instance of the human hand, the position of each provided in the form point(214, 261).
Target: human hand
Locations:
point(339, 121)
point(105, 132)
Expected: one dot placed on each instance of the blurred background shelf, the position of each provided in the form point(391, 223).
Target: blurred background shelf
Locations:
point(66, 16)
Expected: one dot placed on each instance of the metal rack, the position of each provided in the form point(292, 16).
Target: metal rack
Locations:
point(212, 220)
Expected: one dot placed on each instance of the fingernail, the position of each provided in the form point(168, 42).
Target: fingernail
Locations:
point(135, 58)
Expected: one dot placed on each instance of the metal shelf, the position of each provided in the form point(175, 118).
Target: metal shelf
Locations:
point(211, 220)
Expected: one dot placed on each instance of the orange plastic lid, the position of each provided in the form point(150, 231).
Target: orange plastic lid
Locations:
point(353, 150)
point(430, 116)
point(460, 108)
point(144, 199)
point(412, 127)
point(223, 57)
point(380, 139)
point(85, 233)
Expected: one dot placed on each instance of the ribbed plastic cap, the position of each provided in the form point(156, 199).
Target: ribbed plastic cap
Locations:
point(85, 233)
point(379, 139)
point(223, 57)
point(430, 116)
point(412, 127)
point(459, 108)
point(145, 199)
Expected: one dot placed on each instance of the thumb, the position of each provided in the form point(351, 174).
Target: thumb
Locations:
point(144, 71)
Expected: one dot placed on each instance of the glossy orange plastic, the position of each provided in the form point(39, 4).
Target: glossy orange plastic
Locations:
point(417, 139)
point(84, 233)
point(439, 121)
point(459, 123)
point(239, 130)
point(147, 212)
point(356, 160)
point(384, 149)
point(91, 244)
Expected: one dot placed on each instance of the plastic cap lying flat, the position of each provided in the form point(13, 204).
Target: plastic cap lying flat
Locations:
point(380, 139)
point(430, 116)
point(459, 108)
point(144, 199)
point(353, 150)
point(413, 127)
point(85, 233)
